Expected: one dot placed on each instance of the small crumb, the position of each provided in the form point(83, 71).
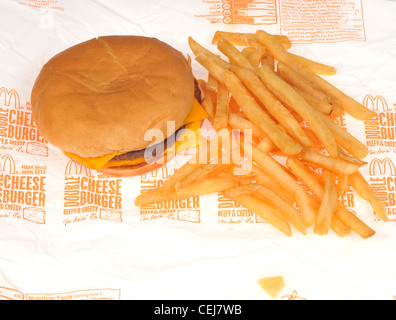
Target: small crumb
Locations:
point(272, 285)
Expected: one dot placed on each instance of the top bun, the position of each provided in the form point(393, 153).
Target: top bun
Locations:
point(102, 95)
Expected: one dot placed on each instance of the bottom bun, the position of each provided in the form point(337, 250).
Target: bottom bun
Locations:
point(130, 171)
point(135, 170)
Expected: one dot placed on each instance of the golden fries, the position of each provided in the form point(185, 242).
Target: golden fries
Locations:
point(350, 105)
point(213, 65)
point(292, 163)
point(198, 49)
point(222, 107)
point(274, 107)
point(246, 39)
point(256, 115)
point(327, 206)
point(308, 177)
point(329, 163)
point(287, 94)
point(298, 81)
point(361, 186)
point(233, 54)
point(315, 66)
point(262, 209)
point(274, 200)
point(238, 122)
point(344, 139)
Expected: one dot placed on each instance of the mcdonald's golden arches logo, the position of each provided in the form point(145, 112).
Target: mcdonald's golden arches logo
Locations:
point(383, 167)
point(7, 164)
point(7, 95)
point(375, 103)
point(73, 168)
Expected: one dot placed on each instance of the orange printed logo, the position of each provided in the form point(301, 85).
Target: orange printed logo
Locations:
point(18, 131)
point(230, 212)
point(89, 195)
point(22, 190)
point(382, 166)
point(380, 131)
point(11, 97)
point(293, 296)
point(377, 103)
point(174, 210)
point(306, 21)
point(240, 12)
point(383, 181)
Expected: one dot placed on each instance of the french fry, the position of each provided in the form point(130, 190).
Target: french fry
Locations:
point(211, 84)
point(342, 184)
point(350, 105)
point(278, 173)
point(273, 105)
point(256, 115)
point(341, 213)
point(364, 190)
point(353, 222)
point(266, 145)
point(329, 163)
point(255, 57)
point(222, 107)
point(262, 178)
point(274, 200)
point(308, 177)
point(200, 172)
point(212, 65)
point(315, 66)
point(344, 139)
point(236, 121)
point(280, 53)
point(197, 49)
point(286, 94)
point(207, 104)
point(295, 79)
point(336, 224)
point(322, 106)
point(268, 60)
point(347, 157)
point(246, 39)
point(247, 51)
point(195, 189)
point(327, 206)
point(269, 214)
point(209, 151)
point(234, 54)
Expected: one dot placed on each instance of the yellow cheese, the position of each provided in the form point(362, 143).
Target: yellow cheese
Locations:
point(184, 142)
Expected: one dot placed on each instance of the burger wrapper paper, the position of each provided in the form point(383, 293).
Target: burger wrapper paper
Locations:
point(69, 232)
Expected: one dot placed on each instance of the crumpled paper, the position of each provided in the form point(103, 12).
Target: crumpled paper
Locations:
point(68, 232)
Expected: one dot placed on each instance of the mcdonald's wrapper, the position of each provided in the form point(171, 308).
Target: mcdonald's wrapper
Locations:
point(68, 232)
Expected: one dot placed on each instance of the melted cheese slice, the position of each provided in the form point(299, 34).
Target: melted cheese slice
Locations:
point(188, 139)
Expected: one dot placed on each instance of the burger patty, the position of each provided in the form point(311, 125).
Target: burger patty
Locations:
point(150, 151)
point(167, 143)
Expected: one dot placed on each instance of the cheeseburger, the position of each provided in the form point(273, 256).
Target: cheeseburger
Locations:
point(97, 100)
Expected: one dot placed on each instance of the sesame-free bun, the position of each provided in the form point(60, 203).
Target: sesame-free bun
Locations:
point(101, 96)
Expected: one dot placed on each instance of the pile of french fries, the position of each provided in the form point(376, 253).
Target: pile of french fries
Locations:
point(303, 162)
